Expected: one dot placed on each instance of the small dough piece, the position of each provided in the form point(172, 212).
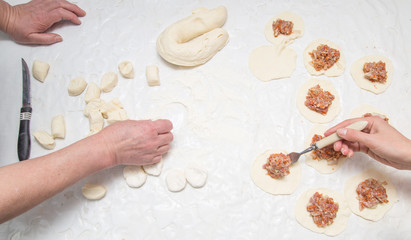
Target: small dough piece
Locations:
point(93, 191)
point(93, 92)
point(77, 86)
point(126, 69)
point(322, 166)
point(45, 139)
point(272, 62)
point(154, 169)
point(373, 214)
point(336, 70)
point(298, 29)
point(96, 121)
point(58, 127)
point(285, 185)
point(175, 180)
point(358, 74)
point(116, 116)
point(109, 81)
point(95, 104)
point(153, 79)
point(40, 70)
point(304, 218)
point(113, 105)
point(196, 177)
point(365, 108)
point(313, 116)
point(194, 40)
point(134, 175)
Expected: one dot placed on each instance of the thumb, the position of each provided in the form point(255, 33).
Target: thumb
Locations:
point(353, 135)
point(44, 38)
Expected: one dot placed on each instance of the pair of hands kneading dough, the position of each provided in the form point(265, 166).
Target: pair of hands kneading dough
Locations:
point(58, 130)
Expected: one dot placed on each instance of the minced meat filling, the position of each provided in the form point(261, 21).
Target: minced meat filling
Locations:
point(324, 57)
point(318, 100)
point(375, 71)
point(322, 209)
point(282, 27)
point(371, 193)
point(278, 165)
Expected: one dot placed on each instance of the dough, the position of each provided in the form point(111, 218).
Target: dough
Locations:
point(153, 79)
point(45, 139)
point(109, 81)
point(154, 169)
point(94, 105)
point(336, 70)
point(313, 116)
point(126, 69)
point(40, 70)
point(322, 166)
point(195, 176)
point(96, 121)
point(175, 180)
point(116, 116)
point(58, 127)
point(272, 62)
point(298, 29)
point(134, 175)
point(114, 105)
point(373, 214)
point(194, 40)
point(358, 74)
point(93, 191)
point(303, 216)
point(76, 86)
point(365, 108)
point(285, 185)
point(93, 92)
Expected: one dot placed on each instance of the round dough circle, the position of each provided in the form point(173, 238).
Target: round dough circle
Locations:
point(154, 169)
point(358, 74)
point(365, 108)
point(373, 214)
point(285, 185)
point(134, 175)
point(195, 176)
point(175, 180)
point(340, 221)
point(272, 62)
point(298, 29)
point(336, 70)
point(321, 166)
point(313, 116)
point(93, 191)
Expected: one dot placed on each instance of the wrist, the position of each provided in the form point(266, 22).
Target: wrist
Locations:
point(108, 156)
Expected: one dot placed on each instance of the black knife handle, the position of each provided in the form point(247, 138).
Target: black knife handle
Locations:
point(24, 142)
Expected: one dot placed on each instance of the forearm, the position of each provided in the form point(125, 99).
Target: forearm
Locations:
point(5, 11)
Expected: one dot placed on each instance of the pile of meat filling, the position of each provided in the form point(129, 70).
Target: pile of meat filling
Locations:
point(375, 71)
point(318, 100)
point(282, 27)
point(278, 165)
point(371, 193)
point(324, 57)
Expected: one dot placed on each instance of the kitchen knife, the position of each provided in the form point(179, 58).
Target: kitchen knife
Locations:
point(24, 142)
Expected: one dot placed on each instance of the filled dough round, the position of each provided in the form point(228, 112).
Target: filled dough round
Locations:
point(358, 74)
point(373, 214)
point(333, 110)
point(336, 70)
point(272, 62)
point(285, 185)
point(304, 218)
point(176, 180)
point(365, 108)
point(298, 29)
point(154, 169)
point(134, 175)
point(93, 191)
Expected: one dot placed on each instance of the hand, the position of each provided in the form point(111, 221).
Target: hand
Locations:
point(137, 142)
point(379, 140)
point(28, 22)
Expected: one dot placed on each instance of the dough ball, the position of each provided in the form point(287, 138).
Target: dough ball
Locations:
point(304, 218)
point(40, 70)
point(134, 175)
point(333, 110)
point(76, 86)
point(116, 116)
point(358, 74)
point(373, 214)
point(298, 29)
point(272, 62)
point(336, 70)
point(93, 92)
point(285, 185)
point(94, 105)
point(109, 81)
point(196, 177)
point(153, 79)
point(126, 69)
point(359, 111)
point(112, 106)
point(93, 191)
point(175, 180)
point(44, 139)
point(58, 127)
point(96, 121)
point(154, 169)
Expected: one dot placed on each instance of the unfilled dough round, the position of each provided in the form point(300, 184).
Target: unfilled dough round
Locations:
point(359, 111)
point(77, 86)
point(336, 70)
point(298, 29)
point(126, 69)
point(154, 169)
point(45, 139)
point(196, 177)
point(373, 214)
point(272, 62)
point(40, 70)
point(322, 166)
point(358, 74)
point(134, 175)
point(93, 191)
point(58, 127)
point(109, 81)
point(194, 40)
point(285, 185)
point(340, 221)
point(176, 180)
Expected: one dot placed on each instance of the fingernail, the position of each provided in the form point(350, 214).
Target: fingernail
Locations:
point(342, 131)
point(343, 151)
point(58, 38)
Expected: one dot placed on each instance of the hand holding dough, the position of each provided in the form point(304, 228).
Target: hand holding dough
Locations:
point(40, 70)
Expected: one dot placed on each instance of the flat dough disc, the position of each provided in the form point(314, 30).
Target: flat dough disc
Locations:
point(272, 62)
point(176, 180)
point(373, 214)
point(313, 116)
point(358, 74)
point(285, 185)
point(322, 166)
point(154, 169)
point(298, 29)
point(365, 108)
point(134, 175)
point(304, 218)
point(336, 70)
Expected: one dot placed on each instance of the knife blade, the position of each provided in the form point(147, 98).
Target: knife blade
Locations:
point(24, 142)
